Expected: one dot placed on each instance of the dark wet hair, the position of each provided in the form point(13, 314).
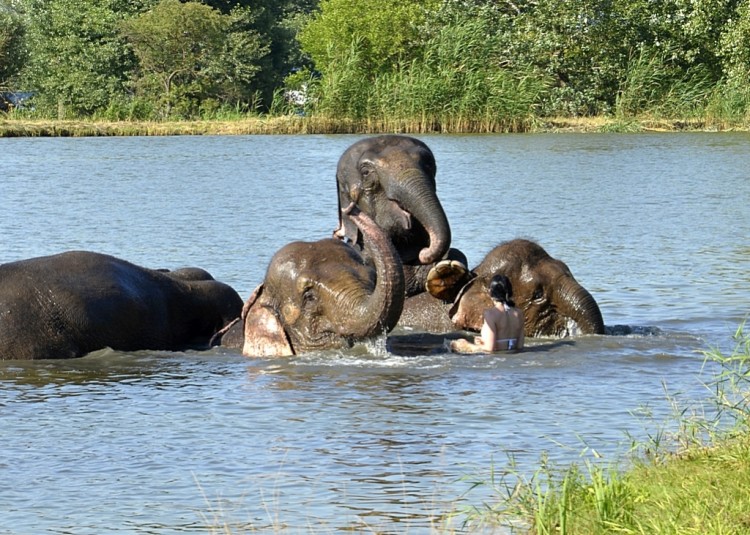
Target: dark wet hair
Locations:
point(501, 290)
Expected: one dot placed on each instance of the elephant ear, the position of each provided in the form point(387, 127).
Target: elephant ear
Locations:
point(264, 333)
point(467, 312)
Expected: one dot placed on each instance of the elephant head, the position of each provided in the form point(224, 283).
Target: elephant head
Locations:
point(391, 178)
point(322, 295)
point(554, 303)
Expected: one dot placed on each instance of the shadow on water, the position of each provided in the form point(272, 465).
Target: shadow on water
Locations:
point(400, 349)
point(629, 330)
point(422, 343)
point(109, 366)
point(101, 366)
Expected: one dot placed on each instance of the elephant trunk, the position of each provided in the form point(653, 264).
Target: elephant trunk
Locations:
point(412, 191)
point(580, 306)
point(379, 311)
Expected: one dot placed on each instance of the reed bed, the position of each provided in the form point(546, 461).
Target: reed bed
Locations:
point(250, 125)
point(320, 124)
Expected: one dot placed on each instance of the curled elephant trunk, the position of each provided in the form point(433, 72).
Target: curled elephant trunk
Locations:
point(582, 308)
point(415, 193)
point(378, 312)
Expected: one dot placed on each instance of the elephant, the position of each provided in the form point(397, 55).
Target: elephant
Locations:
point(554, 303)
point(321, 295)
point(391, 178)
point(70, 304)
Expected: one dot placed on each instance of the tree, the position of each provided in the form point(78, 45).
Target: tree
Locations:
point(12, 34)
point(735, 45)
point(78, 62)
point(386, 31)
point(276, 24)
point(189, 53)
point(237, 65)
point(175, 43)
point(582, 45)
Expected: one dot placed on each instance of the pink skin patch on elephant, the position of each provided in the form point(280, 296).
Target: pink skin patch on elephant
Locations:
point(264, 334)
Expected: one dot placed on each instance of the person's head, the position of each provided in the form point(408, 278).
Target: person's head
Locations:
point(501, 290)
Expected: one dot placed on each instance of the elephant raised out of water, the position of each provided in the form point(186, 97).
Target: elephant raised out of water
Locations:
point(73, 303)
point(554, 303)
point(322, 295)
point(391, 178)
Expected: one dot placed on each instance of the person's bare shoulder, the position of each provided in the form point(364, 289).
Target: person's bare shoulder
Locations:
point(492, 316)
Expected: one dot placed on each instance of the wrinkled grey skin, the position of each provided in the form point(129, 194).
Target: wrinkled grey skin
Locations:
point(322, 295)
point(70, 304)
point(554, 303)
point(391, 178)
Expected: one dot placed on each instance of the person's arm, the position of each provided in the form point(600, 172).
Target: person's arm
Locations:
point(488, 334)
point(482, 344)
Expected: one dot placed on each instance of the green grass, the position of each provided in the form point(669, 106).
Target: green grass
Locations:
point(694, 482)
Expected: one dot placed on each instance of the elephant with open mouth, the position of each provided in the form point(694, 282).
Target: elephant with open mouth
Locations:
point(322, 295)
point(70, 304)
point(391, 178)
point(553, 302)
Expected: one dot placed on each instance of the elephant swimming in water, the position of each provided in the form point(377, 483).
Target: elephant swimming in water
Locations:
point(73, 303)
point(322, 295)
point(554, 303)
point(391, 178)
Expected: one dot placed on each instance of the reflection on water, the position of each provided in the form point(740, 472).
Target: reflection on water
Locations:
point(385, 437)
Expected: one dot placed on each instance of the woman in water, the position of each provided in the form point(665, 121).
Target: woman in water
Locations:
point(503, 324)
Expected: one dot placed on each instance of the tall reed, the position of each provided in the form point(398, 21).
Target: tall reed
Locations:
point(729, 104)
point(456, 84)
point(654, 85)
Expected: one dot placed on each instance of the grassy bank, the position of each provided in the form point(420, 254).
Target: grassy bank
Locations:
point(11, 126)
point(697, 484)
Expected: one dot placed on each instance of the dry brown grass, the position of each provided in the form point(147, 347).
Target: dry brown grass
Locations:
point(11, 127)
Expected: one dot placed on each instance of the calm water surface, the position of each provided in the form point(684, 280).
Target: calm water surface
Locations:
point(383, 437)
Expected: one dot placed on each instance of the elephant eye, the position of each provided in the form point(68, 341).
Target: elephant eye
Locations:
point(308, 296)
point(367, 172)
point(538, 294)
point(306, 289)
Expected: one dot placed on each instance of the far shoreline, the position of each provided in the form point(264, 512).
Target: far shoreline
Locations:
point(300, 125)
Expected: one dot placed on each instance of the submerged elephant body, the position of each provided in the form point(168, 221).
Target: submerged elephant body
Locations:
point(70, 304)
point(322, 295)
point(554, 303)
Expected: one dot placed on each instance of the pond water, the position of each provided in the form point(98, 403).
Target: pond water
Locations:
point(655, 226)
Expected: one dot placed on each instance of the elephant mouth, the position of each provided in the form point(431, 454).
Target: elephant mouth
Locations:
point(401, 216)
point(557, 326)
point(320, 342)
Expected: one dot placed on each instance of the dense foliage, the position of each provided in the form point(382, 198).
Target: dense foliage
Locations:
point(11, 44)
point(437, 64)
